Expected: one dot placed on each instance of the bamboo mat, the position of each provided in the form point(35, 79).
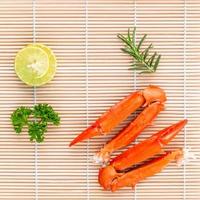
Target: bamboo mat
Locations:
point(92, 75)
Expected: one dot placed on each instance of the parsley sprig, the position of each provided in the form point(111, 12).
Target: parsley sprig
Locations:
point(20, 118)
point(36, 119)
point(143, 60)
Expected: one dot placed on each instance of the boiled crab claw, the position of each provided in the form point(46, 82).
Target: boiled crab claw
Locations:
point(131, 178)
point(114, 176)
point(129, 133)
point(120, 111)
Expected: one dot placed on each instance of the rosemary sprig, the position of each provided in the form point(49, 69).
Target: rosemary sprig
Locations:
point(143, 60)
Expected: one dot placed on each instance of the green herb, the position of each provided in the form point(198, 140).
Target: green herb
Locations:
point(36, 119)
point(143, 60)
point(36, 131)
point(46, 113)
point(20, 118)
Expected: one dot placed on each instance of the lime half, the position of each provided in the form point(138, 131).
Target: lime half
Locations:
point(52, 65)
point(35, 64)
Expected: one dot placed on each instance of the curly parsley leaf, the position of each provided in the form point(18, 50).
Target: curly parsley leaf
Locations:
point(36, 119)
point(36, 131)
point(46, 113)
point(20, 117)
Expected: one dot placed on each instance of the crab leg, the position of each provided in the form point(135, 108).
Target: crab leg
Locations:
point(148, 148)
point(121, 111)
point(127, 135)
point(157, 165)
point(110, 179)
point(139, 153)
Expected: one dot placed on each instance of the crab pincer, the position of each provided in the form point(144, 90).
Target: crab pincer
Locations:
point(120, 111)
point(115, 175)
point(155, 166)
point(129, 133)
point(110, 179)
point(147, 148)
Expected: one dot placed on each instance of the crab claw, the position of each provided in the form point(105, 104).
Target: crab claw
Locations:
point(132, 177)
point(120, 111)
point(110, 179)
point(168, 134)
point(147, 148)
point(112, 117)
point(130, 132)
point(88, 133)
point(113, 176)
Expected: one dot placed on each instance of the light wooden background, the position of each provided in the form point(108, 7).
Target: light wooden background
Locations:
point(92, 75)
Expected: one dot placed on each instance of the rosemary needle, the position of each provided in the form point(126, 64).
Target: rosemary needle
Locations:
point(143, 60)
